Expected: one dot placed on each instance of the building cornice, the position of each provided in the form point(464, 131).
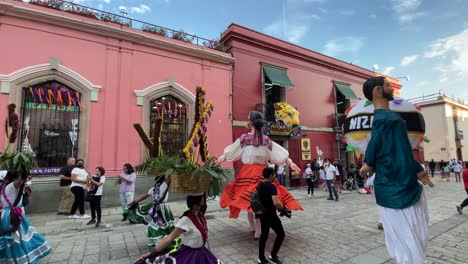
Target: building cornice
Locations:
point(71, 21)
point(239, 33)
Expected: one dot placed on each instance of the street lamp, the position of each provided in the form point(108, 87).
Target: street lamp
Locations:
point(407, 77)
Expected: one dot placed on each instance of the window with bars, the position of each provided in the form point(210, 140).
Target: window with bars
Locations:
point(50, 124)
point(174, 126)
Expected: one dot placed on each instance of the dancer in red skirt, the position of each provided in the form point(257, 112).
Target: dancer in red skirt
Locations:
point(255, 150)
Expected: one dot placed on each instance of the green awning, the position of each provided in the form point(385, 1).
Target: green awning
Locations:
point(346, 90)
point(277, 76)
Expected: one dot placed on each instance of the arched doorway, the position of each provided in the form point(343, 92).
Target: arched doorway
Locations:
point(50, 115)
point(173, 112)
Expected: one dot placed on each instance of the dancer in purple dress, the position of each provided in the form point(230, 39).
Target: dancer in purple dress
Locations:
point(193, 232)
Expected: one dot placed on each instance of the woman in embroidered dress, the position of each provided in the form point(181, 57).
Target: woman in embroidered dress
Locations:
point(255, 150)
point(157, 214)
point(19, 241)
point(193, 232)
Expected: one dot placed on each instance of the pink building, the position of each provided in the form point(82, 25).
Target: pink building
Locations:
point(269, 70)
point(81, 79)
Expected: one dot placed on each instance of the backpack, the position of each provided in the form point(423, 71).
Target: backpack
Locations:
point(256, 204)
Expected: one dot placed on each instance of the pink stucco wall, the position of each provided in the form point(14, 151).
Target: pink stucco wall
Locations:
point(120, 67)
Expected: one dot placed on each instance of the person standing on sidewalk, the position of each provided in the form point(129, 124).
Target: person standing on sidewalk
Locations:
point(330, 177)
point(280, 174)
point(457, 169)
point(68, 198)
point(310, 180)
point(399, 195)
point(97, 186)
point(269, 198)
point(79, 177)
point(127, 188)
point(432, 167)
point(465, 181)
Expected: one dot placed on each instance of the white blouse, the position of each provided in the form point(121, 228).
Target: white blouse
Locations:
point(11, 193)
point(162, 189)
point(256, 155)
point(192, 236)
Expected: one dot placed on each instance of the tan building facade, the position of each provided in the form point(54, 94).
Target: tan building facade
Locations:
point(446, 122)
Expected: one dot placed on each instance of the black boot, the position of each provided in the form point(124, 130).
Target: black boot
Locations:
point(125, 217)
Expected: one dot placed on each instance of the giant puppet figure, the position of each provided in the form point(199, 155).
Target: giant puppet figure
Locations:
point(398, 190)
point(255, 150)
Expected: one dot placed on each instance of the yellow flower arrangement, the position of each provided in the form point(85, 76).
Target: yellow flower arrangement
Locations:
point(197, 139)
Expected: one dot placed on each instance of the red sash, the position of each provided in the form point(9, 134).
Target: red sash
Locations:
point(201, 225)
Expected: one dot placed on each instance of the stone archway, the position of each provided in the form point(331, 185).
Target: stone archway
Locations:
point(145, 96)
point(32, 75)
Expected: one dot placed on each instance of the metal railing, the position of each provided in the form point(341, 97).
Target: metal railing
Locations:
point(100, 15)
point(436, 96)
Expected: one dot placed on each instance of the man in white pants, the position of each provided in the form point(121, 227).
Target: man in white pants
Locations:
point(399, 195)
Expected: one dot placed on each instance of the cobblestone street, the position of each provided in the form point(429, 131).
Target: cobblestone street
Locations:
point(325, 232)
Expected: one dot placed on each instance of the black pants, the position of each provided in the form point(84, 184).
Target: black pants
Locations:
point(270, 221)
point(95, 205)
point(432, 172)
point(465, 202)
point(330, 188)
point(310, 183)
point(79, 199)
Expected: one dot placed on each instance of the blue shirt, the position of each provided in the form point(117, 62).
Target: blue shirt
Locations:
point(389, 152)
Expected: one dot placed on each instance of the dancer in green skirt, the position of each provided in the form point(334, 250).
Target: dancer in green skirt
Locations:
point(157, 215)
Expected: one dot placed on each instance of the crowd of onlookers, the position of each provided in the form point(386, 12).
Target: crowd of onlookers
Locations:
point(445, 168)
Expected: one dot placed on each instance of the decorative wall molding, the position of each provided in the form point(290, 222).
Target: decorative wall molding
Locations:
point(30, 75)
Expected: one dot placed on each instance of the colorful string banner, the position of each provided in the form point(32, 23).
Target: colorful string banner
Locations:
point(53, 96)
point(168, 109)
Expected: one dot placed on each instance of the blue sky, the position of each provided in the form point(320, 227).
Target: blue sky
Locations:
point(425, 39)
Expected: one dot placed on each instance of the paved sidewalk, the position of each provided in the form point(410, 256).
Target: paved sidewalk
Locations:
point(325, 232)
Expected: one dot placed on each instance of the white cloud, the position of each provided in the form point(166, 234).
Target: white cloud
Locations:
point(444, 79)
point(402, 6)
point(407, 60)
point(141, 9)
point(407, 10)
point(343, 45)
point(294, 32)
point(78, 1)
point(323, 10)
point(107, 1)
point(452, 53)
point(346, 12)
point(388, 70)
point(373, 16)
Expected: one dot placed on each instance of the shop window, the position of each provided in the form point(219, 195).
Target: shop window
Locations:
point(50, 124)
point(174, 127)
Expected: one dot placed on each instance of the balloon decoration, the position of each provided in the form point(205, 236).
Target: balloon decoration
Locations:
point(170, 109)
point(358, 124)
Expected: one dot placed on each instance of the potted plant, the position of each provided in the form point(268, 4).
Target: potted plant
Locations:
point(18, 161)
point(181, 35)
point(154, 29)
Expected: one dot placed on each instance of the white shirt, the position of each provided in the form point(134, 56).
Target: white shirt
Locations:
point(308, 172)
point(192, 236)
point(162, 190)
point(81, 175)
point(457, 168)
point(11, 193)
point(280, 169)
point(100, 188)
point(256, 155)
point(329, 172)
point(322, 174)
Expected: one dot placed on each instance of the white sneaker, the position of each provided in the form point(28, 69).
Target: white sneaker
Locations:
point(85, 216)
point(310, 196)
point(216, 198)
point(210, 198)
point(73, 216)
